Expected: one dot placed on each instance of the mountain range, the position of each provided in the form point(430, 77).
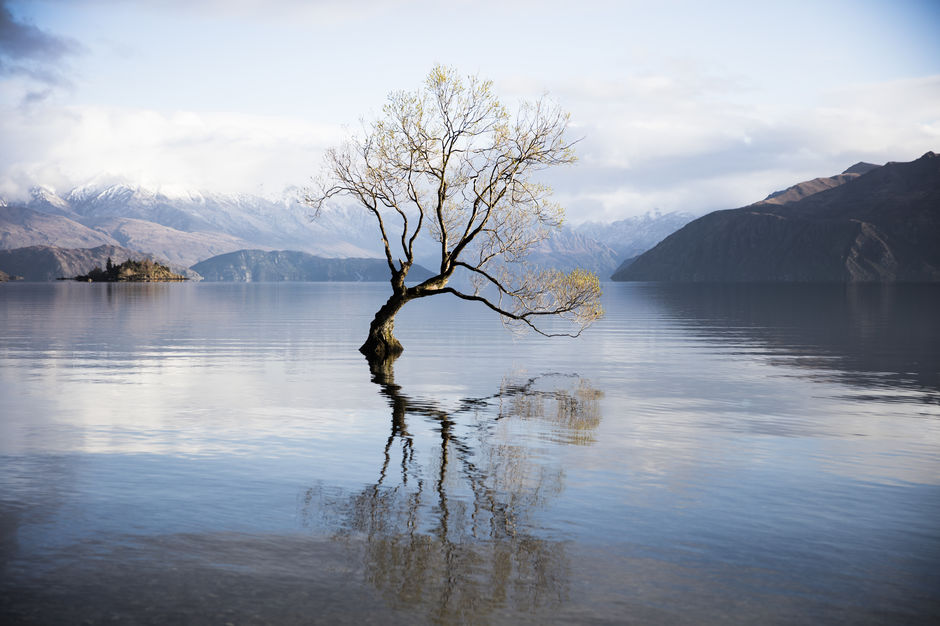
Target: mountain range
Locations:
point(183, 228)
point(635, 235)
point(186, 228)
point(868, 224)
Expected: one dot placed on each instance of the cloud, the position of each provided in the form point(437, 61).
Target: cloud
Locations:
point(662, 127)
point(697, 155)
point(699, 145)
point(30, 51)
point(226, 152)
point(320, 11)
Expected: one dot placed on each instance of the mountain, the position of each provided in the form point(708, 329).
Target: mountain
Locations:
point(176, 246)
point(21, 226)
point(290, 265)
point(39, 263)
point(182, 227)
point(861, 168)
point(185, 227)
point(879, 226)
point(633, 236)
point(568, 249)
point(810, 187)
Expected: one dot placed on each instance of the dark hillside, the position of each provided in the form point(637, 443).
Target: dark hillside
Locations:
point(290, 265)
point(882, 226)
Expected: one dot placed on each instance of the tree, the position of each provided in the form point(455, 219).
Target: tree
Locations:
point(450, 162)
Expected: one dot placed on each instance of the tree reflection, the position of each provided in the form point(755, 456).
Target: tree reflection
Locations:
point(452, 536)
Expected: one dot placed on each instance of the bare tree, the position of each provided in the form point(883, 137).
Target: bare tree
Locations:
point(451, 162)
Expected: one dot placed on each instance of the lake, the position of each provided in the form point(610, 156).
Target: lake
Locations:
point(221, 453)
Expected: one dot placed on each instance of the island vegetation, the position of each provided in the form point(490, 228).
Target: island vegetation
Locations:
point(4, 277)
point(131, 271)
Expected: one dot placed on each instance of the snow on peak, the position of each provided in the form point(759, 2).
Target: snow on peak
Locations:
point(43, 194)
point(180, 192)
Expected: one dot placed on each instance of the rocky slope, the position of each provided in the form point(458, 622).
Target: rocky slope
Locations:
point(21, 226)
point(879, 226)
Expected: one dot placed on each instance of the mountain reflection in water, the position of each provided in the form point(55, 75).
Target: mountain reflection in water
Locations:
point(448, 534)
point(880, 339)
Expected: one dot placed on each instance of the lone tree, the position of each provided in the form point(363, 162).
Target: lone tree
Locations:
point(449, 161)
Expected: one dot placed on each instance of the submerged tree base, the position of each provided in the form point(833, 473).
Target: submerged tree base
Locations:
point(378, 349)
point(381, 344)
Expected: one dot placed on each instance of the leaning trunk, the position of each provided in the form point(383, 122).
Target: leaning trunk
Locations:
point(381, 344)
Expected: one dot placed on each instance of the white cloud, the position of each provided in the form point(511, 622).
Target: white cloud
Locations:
point(216, 151)
point(655, 143)
point(648, 143)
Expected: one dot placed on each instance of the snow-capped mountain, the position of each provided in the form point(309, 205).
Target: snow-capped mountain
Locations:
point(635, 235)
point(184, 226)
point(46, 200)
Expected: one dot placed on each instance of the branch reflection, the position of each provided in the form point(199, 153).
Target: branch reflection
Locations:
point(447, 528)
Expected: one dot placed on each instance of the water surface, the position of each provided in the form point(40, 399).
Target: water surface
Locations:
point(212, 453)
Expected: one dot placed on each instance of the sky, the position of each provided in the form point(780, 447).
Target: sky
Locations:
point(677, 105)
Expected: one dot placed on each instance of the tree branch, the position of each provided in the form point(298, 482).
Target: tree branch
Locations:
point(524, 318)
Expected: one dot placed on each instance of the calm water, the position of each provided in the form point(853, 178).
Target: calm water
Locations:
point(213, 453)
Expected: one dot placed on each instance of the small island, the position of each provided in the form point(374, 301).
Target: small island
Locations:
point(130, 271)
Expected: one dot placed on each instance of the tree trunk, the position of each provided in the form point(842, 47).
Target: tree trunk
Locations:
point(381, 344)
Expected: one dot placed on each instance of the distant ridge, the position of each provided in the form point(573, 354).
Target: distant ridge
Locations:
point(861, 168)
point(882, 225)
point(810, 187)
point(633, 236)
point(568, 249)
point(291, 265)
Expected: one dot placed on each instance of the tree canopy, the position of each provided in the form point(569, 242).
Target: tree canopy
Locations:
point(448, 166)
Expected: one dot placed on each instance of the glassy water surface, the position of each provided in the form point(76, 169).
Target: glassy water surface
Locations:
point(213, 453)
